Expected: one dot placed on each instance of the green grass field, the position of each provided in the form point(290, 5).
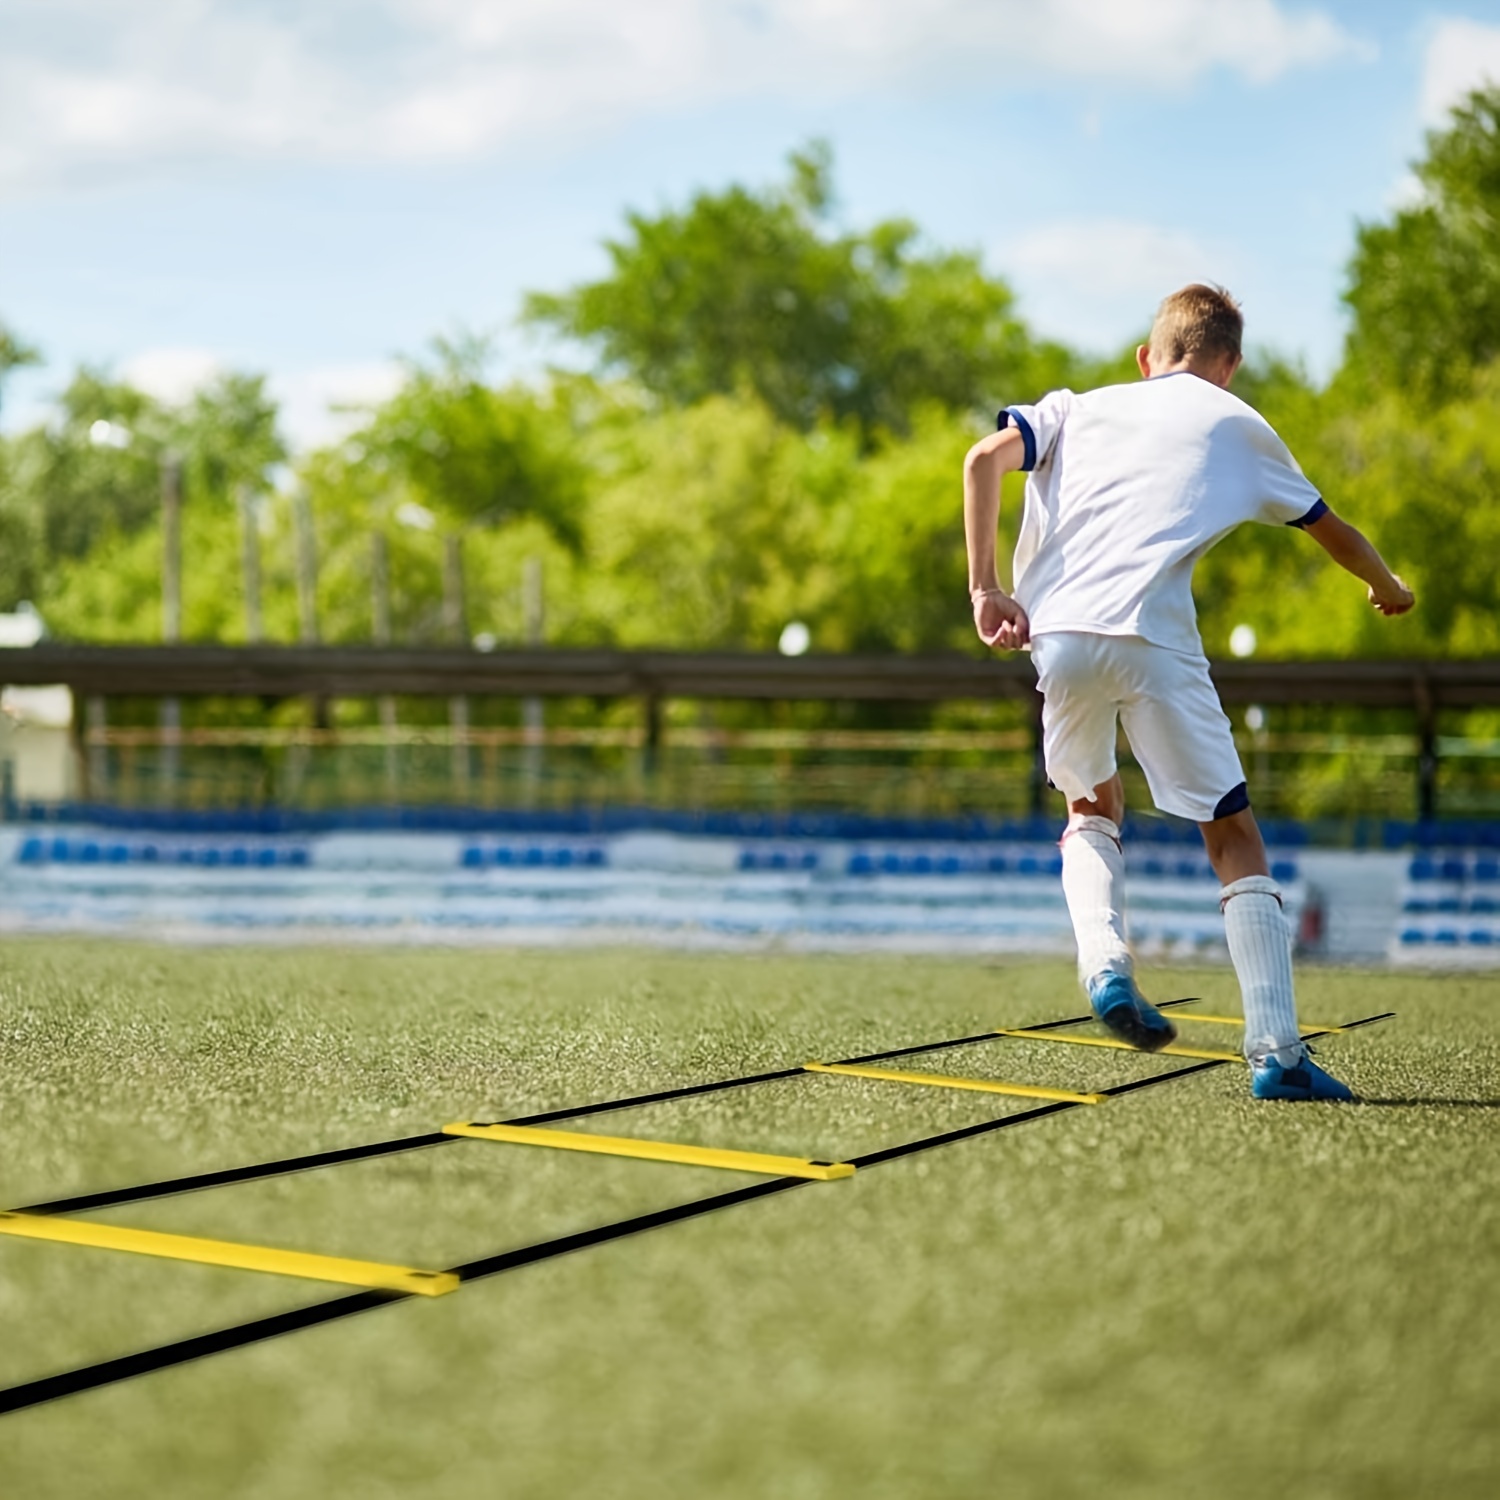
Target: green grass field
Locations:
point(1177, 1293)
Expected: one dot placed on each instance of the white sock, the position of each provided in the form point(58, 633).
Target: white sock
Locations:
point(1260, 948)
point(1093, 881)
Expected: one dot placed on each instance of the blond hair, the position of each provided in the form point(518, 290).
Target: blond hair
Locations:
point(1198, 320)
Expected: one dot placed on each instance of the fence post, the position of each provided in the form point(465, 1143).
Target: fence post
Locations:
point(307, 568)
point(170, 712)
point(299, 756)
point(96, 758)
point(651, 751)
point(1427, 752)
point(534, 615)
point(456, 628)
point(380, 611)
point(247, 501)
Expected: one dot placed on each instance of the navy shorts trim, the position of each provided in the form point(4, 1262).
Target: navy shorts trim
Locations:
point(1236, 800)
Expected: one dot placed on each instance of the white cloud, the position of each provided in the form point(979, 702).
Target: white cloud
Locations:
point(102, 86)
point(321, 405)
point(1461, 55)
point(1096, 282)
point(1406, 192)
point(316, 406)
point(171, 375)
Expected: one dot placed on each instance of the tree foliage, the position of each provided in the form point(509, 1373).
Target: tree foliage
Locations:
point(759, 292)
point(472, 454)
point(88, 484)
point(776, 432)
point(15, 353)
point(1425, 287)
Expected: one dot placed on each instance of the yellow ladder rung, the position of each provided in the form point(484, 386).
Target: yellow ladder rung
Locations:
point(1308, 1027)
point(942, 1081)
point(1171, 1050)
point(689, 1156)
point(223, 1253)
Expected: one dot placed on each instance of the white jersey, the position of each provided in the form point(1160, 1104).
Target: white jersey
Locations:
point(1129, 486)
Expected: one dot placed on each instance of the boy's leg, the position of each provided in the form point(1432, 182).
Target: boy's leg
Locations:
point(1078, 677)
point(1093, 880)
point(1185, 745)
point(1260, 947)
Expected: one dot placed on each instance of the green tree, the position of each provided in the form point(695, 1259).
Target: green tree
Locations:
point(493, 464)
point(758, 292)
point(66, 490)
point(1425, 287)
point(894, 549)
point(470, 452)
point(707, 526)
point(15, 353)
point(81, 497)
point(226, 437)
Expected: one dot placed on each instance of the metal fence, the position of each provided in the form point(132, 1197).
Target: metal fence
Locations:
point(908, 736)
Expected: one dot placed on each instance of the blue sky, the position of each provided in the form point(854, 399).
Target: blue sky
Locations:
point(311, 190)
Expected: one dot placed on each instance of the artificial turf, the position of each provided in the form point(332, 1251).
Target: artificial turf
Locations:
point(1180, 1292)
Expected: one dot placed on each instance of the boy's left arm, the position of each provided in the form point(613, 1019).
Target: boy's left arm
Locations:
point(1353, 551)
point(998, 618)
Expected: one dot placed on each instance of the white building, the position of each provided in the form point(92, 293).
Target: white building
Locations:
point(38, 759)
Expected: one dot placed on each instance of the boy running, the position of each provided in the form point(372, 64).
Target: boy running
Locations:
point(1130, 485)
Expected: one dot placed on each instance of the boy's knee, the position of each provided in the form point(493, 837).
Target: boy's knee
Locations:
point(1250, 885)
point(1086, 823)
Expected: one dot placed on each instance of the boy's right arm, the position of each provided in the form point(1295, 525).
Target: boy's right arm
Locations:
point(1353, 551)
point(998, 618)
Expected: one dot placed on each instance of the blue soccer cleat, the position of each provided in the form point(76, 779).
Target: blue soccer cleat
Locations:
point(1304, 1080)
point(1122, 1009)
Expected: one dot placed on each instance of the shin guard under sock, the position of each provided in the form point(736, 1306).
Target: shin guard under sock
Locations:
point(1093, 881)
point(1260, 948)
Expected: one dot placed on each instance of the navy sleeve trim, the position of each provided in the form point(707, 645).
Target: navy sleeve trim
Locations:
point(1315, 514)
point(1010, 417)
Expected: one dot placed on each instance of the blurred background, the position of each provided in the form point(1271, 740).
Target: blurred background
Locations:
point(552, 418)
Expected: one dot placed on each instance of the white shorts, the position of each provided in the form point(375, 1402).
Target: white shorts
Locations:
point(1170, 712)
